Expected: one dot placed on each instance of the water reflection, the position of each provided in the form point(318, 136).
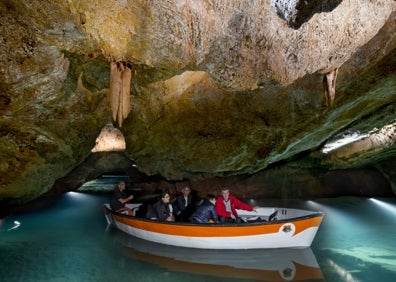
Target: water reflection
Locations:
point(66, 242)
point(262, 265)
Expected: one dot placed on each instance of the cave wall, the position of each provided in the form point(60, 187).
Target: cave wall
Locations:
point(219, 89)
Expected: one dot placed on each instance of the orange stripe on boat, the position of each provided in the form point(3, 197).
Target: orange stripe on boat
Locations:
point(305, 224)
point(215, 230)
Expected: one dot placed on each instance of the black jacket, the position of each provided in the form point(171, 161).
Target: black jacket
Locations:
point(159, 210)
point(180, 203)
point(204, 213)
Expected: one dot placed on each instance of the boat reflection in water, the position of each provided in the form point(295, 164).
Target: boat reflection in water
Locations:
point(289, 264)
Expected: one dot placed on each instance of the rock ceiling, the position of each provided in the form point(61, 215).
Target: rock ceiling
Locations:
point(218, 88)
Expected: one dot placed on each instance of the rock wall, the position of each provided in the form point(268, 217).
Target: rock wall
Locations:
point(219, 88)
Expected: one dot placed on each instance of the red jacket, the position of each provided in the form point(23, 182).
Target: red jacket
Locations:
point(235, 204)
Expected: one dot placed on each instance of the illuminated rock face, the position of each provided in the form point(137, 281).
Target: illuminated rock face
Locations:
point(218, 88)
point(298, 12)
point(110, 139)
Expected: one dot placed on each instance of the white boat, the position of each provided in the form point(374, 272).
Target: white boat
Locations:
point(265, 228)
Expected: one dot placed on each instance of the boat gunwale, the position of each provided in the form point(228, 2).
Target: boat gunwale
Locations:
point(313, 214)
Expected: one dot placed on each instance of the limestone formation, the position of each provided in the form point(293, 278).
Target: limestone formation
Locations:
point(298, 12)
point(110, 139)
point(120, 91)
point(218, 88)
point(329, 85)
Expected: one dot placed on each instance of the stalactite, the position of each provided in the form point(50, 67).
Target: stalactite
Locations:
point(115, 87)
point(120, 87)
point(126, 90)
point(329, 82)
point(82, 92)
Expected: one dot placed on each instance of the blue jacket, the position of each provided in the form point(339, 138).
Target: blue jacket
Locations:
point(204, 213)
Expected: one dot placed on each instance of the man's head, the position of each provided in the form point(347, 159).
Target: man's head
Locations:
point(121, 185)
point(211, 198)
point(165, 197)
point(186, 191)
point(225, 192)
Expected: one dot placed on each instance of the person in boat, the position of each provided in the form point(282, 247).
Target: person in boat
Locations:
point(161, 210)
point(184, 205)
point(206, 212)
point(226, 206)
point(119, 199)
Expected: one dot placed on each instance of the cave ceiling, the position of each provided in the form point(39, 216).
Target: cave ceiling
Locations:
point(217, 88)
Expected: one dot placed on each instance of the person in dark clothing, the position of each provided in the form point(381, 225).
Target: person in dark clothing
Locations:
point(119, 199)
point(206, 211)
point(184, 206)
point(161, 210)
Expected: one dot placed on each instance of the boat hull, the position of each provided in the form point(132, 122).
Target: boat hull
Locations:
point(291, 233)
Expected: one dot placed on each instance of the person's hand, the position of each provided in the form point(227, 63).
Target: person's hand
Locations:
point(255, 209)
point(130, 197)
point(233, 216)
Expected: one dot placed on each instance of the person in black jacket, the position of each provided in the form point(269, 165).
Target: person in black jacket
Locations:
point(206, 211)
point(161, 210)
point(119, 199)
point(184, 205)
point(183, 199)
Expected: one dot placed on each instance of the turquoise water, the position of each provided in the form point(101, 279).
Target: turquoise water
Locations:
point(70, 241)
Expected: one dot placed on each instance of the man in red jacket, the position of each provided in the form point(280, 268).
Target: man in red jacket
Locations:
point(226, 206)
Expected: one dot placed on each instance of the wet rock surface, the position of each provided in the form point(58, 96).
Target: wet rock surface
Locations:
point(219, 89)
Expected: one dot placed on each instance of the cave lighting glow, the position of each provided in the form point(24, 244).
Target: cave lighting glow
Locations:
point(384, 205)
point(73, 194)
point(345, 139)
point(332, 214)
point(76, 195)
point(16, 225)
point(346, 276)
point(381, 138)
point(314, 205)
point(320, 207)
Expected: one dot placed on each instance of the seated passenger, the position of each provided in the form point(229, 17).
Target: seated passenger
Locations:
point(226, 206)
point(184, 205)
point(161, 210)
point(206, 212)
point(119, 199)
